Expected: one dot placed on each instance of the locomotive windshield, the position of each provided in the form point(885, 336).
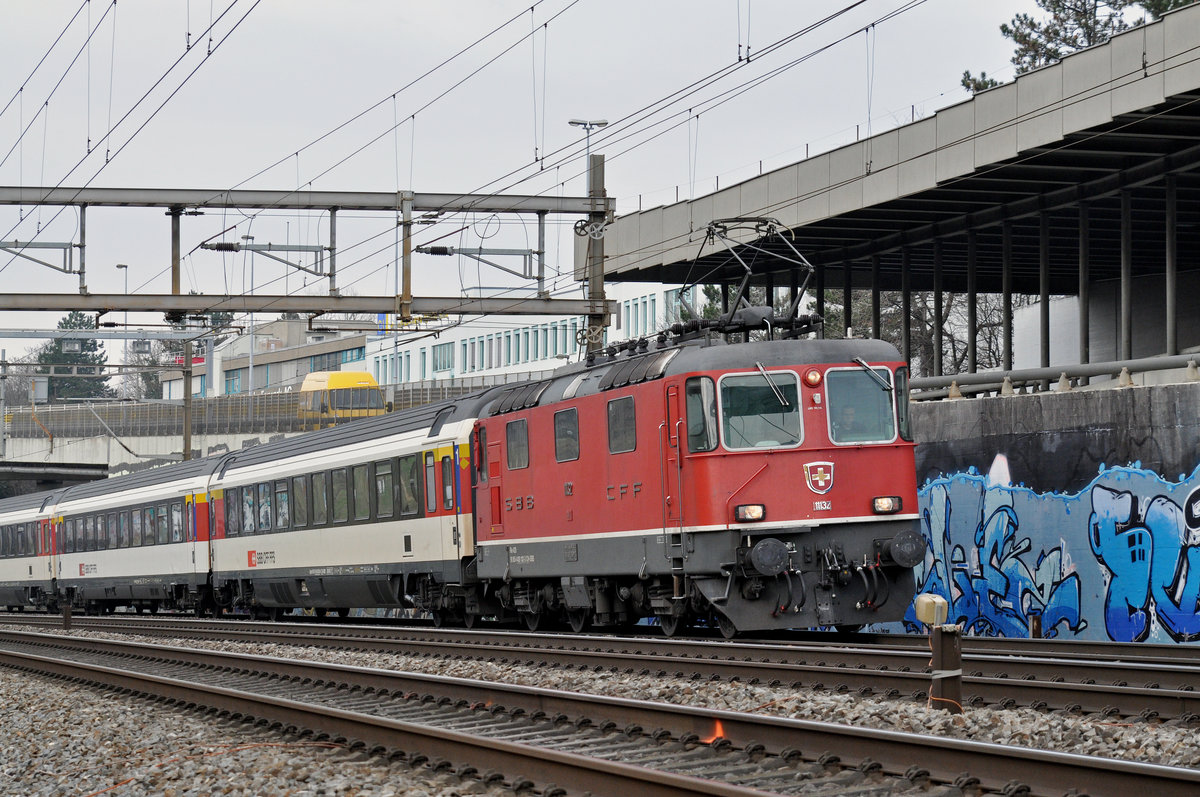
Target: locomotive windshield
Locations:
point(861, 408)
point(760, 410)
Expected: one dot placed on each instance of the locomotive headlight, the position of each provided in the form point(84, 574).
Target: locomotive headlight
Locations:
point(887, 504)
point(812, 377)
point(748, 513)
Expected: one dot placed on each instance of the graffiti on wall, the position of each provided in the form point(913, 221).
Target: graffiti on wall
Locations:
point(1120, 560)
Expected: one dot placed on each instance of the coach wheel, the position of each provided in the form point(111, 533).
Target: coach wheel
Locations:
point(439, 619)
point(343, 612)
point(533, 620)
point(670, 624)
point(139, 608)
point(470, 620)
point(578, 619)
point(728, 629)
point(154, 608)
point(319, 611)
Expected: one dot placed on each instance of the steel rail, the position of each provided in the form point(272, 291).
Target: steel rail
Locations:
point(543, 765)
point(1117, 685)
point(993, 765)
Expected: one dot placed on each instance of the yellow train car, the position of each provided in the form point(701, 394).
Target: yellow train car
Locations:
point(332, 397)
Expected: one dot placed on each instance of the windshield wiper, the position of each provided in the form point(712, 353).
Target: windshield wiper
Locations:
point(883, 383)
point(771, 382)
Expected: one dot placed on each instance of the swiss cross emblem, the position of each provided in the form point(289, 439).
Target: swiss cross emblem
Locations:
point(819, 476)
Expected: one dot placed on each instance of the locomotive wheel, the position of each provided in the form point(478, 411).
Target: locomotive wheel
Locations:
point(470, 620)
point(343, 613)
point(728, 629)
point(439, 619)
point(533, 620)
point(670, 624)
point(578, 619)
point(319, 611)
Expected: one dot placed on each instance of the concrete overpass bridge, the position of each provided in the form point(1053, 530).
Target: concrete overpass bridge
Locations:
point(1079, 178)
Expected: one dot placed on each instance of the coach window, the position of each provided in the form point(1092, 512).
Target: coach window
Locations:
point(385, 490)
point(248, 518)
point(281, 504)
point(4, 541)
point(622, 432)
point(361, 481)
point(264, 507)
point(566, 435)
point(164, 530)
point(176, 522)
point(112, 530)
point(517, 437)
point(341, 496)
point(320, 499)
point(89, 539)
point(101, 533)
point(430, 483)
point(409, 477)
point(299, 501)
point(701, 400)
point(135, 535)
point(148, 517)
point(233, 512)
point(447, 483)
point(20, 540)
point(123, 529)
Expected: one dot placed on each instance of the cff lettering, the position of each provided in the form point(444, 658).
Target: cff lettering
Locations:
point(621, 490)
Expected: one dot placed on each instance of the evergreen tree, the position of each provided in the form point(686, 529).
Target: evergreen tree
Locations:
point(91, 353)
point(1069, 25)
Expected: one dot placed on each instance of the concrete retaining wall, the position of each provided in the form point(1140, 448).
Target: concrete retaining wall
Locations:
point(1083, 507)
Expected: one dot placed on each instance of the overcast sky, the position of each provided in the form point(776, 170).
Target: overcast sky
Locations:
point(365, 81)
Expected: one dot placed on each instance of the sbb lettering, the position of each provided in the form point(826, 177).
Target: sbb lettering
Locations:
point(519, 503)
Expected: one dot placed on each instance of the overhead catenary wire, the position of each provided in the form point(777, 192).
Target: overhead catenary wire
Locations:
point(151, 116)
point(771, 48)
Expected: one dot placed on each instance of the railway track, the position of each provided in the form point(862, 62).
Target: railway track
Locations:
point(542, 737)
point(1126, 681)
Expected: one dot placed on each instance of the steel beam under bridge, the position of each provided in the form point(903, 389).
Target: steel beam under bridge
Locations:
point(292, 200)
point(259, 303)
point(52, 472)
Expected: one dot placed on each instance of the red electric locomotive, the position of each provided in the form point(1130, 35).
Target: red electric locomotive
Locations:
point(759, 485)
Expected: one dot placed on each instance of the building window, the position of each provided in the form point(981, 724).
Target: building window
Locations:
point(443, 357)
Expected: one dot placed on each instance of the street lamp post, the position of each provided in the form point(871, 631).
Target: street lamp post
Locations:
point(588, 126)
point(125, 358)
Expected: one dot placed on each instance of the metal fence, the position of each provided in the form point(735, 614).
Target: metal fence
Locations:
point(259, 413)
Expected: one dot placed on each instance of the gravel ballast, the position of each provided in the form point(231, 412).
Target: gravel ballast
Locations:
point(62, 738)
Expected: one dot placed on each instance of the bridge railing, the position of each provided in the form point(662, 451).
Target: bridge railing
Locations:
point(257, 413)
point(1059, 377)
